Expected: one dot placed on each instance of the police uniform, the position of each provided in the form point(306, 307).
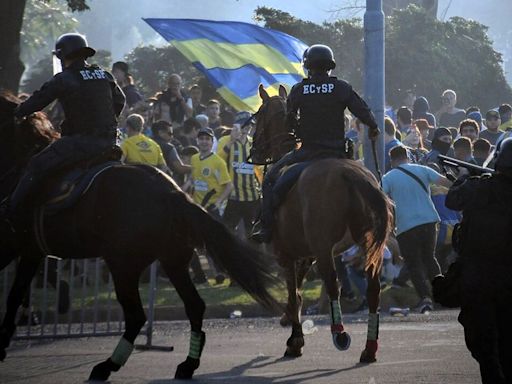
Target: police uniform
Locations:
point(91, 101)
point(315, 114)
point(486, 262)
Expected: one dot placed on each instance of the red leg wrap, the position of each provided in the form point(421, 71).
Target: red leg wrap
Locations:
point(372, 346)
point(337, 328)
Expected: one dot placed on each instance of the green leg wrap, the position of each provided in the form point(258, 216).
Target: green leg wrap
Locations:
point(373, 326)
point(196, 344)
point(336, 315)
point(122, 352)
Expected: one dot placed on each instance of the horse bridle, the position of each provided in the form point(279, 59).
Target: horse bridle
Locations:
point(281, 137)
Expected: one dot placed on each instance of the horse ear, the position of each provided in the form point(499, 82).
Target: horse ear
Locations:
point(282, 91)
point(263, 94)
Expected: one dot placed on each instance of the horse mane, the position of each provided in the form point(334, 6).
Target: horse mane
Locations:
point(37, 129)
point(34, 132)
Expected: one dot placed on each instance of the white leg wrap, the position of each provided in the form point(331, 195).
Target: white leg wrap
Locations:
point(122, 352)
point(373, 326)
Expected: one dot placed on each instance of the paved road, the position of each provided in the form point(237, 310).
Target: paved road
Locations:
point(416, 349)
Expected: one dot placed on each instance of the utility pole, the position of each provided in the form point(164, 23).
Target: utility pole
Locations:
point(374, 84)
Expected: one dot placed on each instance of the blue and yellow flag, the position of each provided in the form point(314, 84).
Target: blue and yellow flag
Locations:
point(236, 57)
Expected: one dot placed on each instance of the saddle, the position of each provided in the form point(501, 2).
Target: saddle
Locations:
point(289, 174)
point(65, 189)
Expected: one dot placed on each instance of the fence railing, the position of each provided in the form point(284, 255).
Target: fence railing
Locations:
point(75, 298)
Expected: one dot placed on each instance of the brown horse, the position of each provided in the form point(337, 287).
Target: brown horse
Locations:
point(130, 216)
point(335, 204)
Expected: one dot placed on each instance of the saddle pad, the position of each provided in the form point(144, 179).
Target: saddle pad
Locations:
point(72, 186)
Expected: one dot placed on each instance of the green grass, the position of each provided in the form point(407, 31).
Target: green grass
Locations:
point(212, 294)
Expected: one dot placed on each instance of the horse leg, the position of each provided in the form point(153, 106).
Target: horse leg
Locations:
point(27, 268)
point(295, 343)
point(373, 297)
point(194, 308)
point(125, 275)
point(340, 338)
point(303, 266)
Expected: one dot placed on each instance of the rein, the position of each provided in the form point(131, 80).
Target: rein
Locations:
point(377, 168)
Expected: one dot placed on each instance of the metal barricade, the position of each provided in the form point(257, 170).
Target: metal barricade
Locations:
point(93, 309)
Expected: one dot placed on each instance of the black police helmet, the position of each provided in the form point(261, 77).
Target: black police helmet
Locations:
point(319, 56)
point(504, 155)
point(71, 46)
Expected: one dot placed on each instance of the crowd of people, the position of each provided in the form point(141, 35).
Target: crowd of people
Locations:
point(204, 146)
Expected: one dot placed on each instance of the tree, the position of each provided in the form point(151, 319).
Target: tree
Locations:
point(151, 67)
point(11, 19)
point(422, 53)
point(43, 22)
point(43, 70)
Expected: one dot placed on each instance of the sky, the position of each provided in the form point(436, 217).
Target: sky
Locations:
point(117, 25)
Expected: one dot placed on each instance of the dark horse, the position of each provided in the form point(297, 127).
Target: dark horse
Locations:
point(335, 204)
point(131, 216)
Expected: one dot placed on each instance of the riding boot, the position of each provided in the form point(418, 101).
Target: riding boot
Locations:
point(262, 230)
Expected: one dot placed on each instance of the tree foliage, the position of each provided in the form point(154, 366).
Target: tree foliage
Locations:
point(151, 67)
point(43, 22)
point(422, 53)
point(43, 70)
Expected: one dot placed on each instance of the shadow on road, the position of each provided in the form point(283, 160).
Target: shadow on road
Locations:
point(236, 373)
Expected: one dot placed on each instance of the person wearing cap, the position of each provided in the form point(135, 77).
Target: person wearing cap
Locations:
point(484, 244)
point(138, 148)
point(243, 203)
point(426, 131)
point(492, 122)
point(209, 181)
point(92, 102)
point(124, 79)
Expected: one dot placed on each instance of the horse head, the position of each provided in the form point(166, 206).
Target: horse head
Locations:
point(272, 139)
point(19, 140)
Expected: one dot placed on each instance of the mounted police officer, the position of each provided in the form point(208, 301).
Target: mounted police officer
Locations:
point(316, 114)
point(91, 101)
point(486, 265)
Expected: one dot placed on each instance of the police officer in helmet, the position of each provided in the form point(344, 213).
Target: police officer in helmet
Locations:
point(316, 114)
point(91, 101)
point(486, 265)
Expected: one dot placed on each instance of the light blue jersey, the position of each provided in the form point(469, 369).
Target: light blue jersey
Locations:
point(413, 205)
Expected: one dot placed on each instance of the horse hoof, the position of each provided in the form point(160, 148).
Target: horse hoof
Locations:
point(285, 320)
point(367, 357)
point(293, 352)
point(341, 341)
point(185, 370)
point(3, 354)
point(102, 371)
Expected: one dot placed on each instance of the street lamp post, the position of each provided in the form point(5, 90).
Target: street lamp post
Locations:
point(374, 76)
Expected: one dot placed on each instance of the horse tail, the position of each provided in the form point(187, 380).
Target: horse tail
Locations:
point(246, 265)
point(371, 215)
